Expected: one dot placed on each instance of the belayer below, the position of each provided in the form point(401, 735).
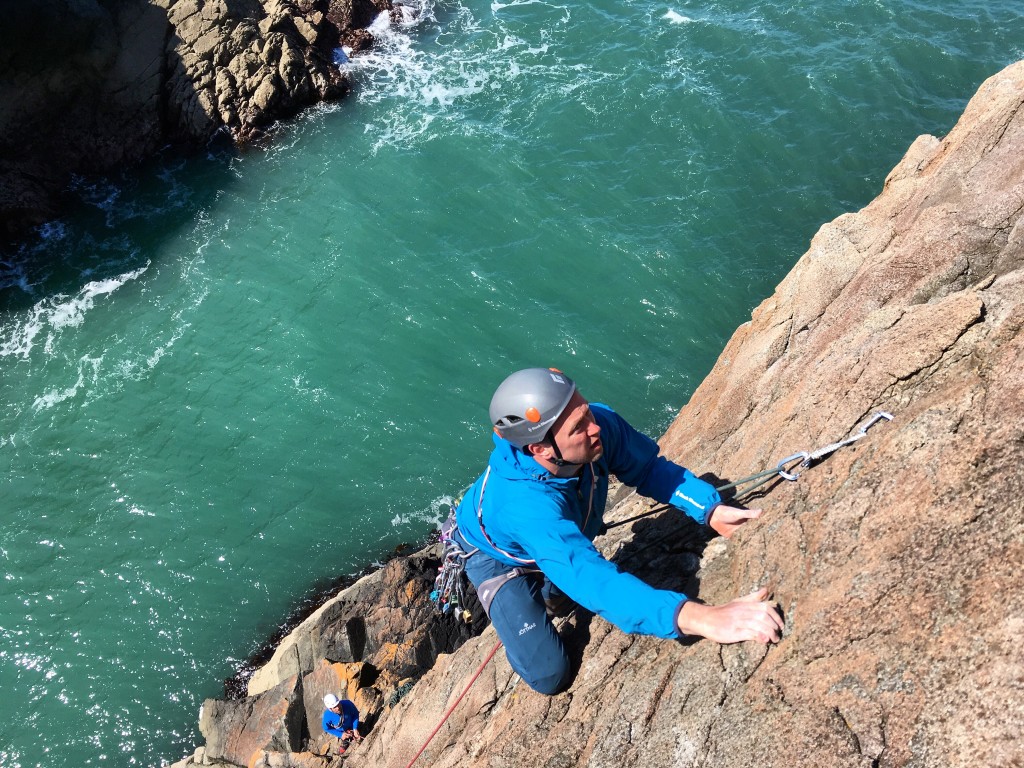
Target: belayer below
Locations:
point(341, 719)
point(526, 528)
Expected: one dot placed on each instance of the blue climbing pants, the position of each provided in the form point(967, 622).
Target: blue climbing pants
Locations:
point(517, 612)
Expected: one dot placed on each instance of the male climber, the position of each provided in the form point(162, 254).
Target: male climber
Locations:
point(530, 519)
point(341, 719)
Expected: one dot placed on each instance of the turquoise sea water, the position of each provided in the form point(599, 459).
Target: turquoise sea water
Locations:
point(230, 378)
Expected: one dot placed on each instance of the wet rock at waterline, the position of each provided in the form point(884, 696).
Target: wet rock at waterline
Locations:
point(93, 86)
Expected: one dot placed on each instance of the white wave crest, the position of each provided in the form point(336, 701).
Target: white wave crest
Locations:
point(56, 313)
point(436, 68)
point(88, 371)
point(677, 18)
point(435, 515)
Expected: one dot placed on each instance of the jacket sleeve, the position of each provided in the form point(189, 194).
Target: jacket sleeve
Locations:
point(634, 459)
point(332, 724)
point(571, 561)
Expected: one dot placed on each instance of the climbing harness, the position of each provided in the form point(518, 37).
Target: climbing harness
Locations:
point(449, 592)
point(449, 587)
point(489, 587)
point(785, 469)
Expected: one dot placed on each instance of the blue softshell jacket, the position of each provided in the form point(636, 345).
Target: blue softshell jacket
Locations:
point(534, 516)
point(336, 724)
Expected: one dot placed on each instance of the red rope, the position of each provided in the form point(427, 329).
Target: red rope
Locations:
point(451, 709)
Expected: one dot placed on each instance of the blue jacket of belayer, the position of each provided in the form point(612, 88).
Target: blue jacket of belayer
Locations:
point(534, 516)
point(336, 724)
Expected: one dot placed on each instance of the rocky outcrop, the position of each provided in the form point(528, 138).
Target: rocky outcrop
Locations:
point(894, 559)
point(91, 86)
point(369, 644)
point(240, 64)
point(236, 730)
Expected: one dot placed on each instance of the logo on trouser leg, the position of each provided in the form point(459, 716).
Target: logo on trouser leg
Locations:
point(526, 628)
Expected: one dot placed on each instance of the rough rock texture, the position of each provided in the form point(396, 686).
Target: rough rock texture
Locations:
point(91, 86)
point(896, 560)
point(235, 730)
point(385, 620)
point(240, 64)
point(369, 644)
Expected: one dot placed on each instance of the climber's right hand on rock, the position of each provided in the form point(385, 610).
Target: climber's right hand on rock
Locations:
point(752, 617)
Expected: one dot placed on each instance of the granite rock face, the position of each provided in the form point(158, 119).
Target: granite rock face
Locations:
point(91, 86)
point(896, 559)
point(236, 730)
point(238, 65)
point(368, 644)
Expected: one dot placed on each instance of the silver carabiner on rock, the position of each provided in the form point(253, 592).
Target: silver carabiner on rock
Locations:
point(781, 467)
point(874, 420)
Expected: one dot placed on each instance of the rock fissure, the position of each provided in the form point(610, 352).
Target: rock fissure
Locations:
point(1001, 130)
point(659, 693)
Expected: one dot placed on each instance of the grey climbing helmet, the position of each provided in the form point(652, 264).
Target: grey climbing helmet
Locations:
point(528, 402)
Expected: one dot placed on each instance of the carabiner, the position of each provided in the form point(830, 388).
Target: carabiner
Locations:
point(781, 468)
point(873, 420)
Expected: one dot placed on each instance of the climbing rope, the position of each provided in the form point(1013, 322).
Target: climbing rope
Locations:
point(782, 469)
point(451, 709)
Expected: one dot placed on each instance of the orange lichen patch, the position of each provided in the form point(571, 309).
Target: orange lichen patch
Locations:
point(391, 654)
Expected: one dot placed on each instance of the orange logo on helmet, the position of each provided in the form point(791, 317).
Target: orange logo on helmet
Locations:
point(532, 414)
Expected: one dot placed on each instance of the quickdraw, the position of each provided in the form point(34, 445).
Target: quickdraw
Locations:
point(449, 593)
point(784, 469)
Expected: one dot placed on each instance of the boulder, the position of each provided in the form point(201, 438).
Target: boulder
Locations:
point(241, 66)
point(235, 731)
point(385, 620)
point(369, 643)
point(265, 759)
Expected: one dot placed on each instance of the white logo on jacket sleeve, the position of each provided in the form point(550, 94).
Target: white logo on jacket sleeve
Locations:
point(526, 628)
point(683, 497)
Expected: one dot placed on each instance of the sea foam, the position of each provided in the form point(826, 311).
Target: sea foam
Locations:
point(677, 18)
point(56, 313)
